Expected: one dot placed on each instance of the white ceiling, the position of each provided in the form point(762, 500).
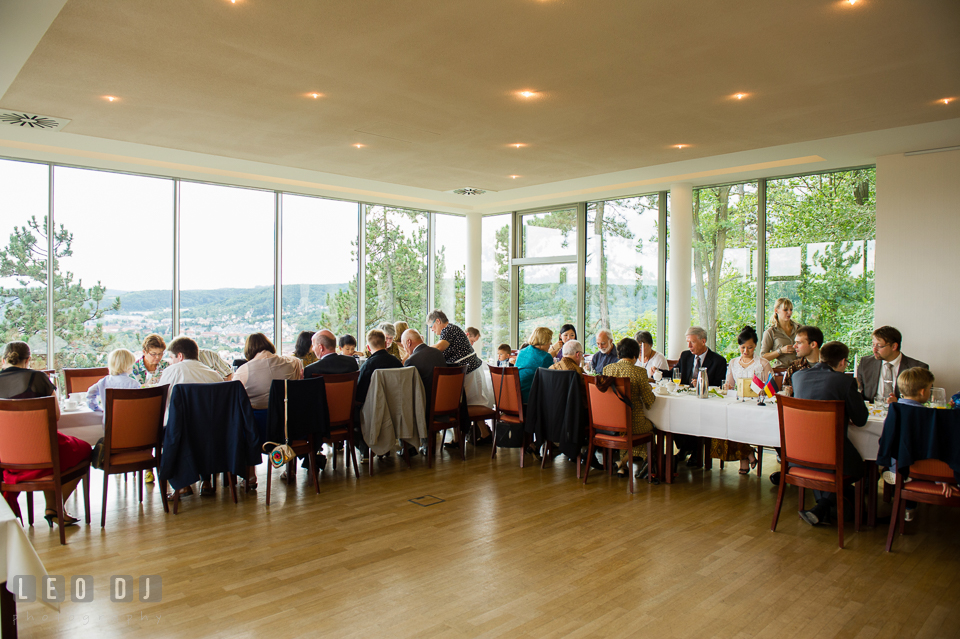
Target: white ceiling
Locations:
point(213, 90)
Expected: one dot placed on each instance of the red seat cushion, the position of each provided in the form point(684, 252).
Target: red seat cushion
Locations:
point(816, 475)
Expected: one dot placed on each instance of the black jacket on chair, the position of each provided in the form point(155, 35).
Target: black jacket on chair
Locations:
point(556, 410)
point(307, 412)
point(210, 429)
point(333, 364)
point(715, 364)
point(376, 361)
point(914, 433)
point(425, 359)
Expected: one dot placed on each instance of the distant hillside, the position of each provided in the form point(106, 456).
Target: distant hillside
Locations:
point(231, 301)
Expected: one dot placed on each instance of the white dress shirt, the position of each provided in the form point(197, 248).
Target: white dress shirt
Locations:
point(896, 372)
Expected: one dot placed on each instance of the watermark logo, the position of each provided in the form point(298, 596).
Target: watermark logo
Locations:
point(53, 588)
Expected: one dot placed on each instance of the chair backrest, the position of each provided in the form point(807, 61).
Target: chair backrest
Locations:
point(341, 392)
point(606, 410)
point(506, 391)
point(79, 380)
point(134, 418)
point(28, 434)
point(931, 470)
point(811, 432)
point(447, 391)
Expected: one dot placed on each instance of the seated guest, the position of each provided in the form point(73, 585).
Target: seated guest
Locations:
point(744, 367)
point(806, 345)
point(213, 360)
point(389, 334)
point(536, 355)
point(606, 353)
point(827, 380)
point(187, 369)
point(149, 367)
point(120, 366)
point(885, 365)
point(379, 358)
point(18, 381)
point(424, 358)
point(641, 396)
point(915, 385)
point(778, 340)
point(473, 335)
point(651, 360)
point(328, 362)
point(698, 356)
point(302, 349)
point(348, 346)
point(571, 357)
point(504, 356)
point(400, 328)
point(567, 333)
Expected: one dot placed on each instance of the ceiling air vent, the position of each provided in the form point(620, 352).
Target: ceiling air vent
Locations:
point(32, 120)
point(469, 190)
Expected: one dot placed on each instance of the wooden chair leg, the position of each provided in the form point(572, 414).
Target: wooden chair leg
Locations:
point(163, 491)
point(629, 463)
point(140, 484)
point(840, 513)
point(353, 458)
point(651, 462)
point(176, 501)
point(313, 468)
point(801, 499)
point(776, 510)
point(86, 497)
point(546, 453)
point(233, 485)
point(103, 506)
point(759, 461)
point(58, 496)
point(669, 459)
point(893, 519)
point(493, 453)
point(29, 496)
point(523, 448)
point(269, 481)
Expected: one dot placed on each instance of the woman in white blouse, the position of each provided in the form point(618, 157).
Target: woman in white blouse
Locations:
point(649, 358)
point(743, 367)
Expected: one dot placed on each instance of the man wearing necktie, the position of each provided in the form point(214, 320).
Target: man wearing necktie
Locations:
point(691, 361)
point(885, 365)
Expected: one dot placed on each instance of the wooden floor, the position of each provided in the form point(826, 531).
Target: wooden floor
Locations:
point(508, 553)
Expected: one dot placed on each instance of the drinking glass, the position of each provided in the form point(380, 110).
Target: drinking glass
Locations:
point(887, 390)
point(676, 375)
point(938, 398)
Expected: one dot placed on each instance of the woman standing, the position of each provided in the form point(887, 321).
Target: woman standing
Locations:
point(777, 346)
point(567, 333)
point(744, 367)
point(17, 381)
point(149, 367)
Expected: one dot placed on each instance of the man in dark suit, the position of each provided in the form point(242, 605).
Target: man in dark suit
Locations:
point(324, 346)
point(697, 356)
point(827, 380)
point(886, 364)
point(379, 358)
point(424, 358)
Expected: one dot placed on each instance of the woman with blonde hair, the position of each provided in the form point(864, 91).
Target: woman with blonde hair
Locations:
point(777, 345)
point(536, 355)
point(149, 367)
point(400, 328)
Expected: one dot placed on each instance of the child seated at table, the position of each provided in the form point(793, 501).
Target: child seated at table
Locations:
point(504, 353)
point(120, 364)
point(348, 346)
point(915, 385)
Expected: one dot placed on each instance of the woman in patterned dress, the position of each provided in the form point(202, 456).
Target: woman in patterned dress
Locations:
point(149, 367)
point(641, 396)
point(743, 367)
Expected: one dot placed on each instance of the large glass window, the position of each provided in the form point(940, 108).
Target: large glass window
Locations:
point(396, 273)
point(724, 267)
point(621, 267)
point(548, 297)
point(24, 205)
point(226, 265)
point(820, 252)
point(450, 266)
point(319, 266)
point(115, 278)
point(495, 285)
point(549, 234)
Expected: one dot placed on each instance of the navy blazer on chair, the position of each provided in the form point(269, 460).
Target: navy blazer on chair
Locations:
point(557, 411)
point(210, 429)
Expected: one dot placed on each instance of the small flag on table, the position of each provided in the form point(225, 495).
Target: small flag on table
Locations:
point(756, 385)
point(770, 388)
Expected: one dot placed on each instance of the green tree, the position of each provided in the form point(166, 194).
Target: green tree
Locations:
point(75, 306)
point(396, 268)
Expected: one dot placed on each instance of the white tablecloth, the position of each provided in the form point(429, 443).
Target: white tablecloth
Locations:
point(479, 387)
point(743, 422)
point(18, 556)
point(83, 424)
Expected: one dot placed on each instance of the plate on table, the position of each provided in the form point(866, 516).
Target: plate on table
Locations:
point(64, 409)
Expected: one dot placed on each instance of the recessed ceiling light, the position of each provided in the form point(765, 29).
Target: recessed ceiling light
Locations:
point(528, 94)
point(111, 98)
point(517, 145)
point(852, 1)
point(947, 100)
point(359, 146)
point(739, 96)
point(681, 146)
point(315, 95)
point(514, 177)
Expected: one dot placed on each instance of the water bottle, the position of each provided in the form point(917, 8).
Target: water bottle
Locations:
point(703, 384)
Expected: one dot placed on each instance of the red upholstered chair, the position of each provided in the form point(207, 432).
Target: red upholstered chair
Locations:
point(509, 405)
point(132, 436)
point(921, 488)
point(79, 380)
point(811, 435)
point(341, 394)
point(612, 415)
point(443, 412)
point(28, 441)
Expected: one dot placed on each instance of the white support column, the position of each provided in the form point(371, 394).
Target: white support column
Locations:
point(474, 247)
point(681, 257)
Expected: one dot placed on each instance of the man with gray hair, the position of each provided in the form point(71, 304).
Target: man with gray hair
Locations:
point(572, 357)
point(606, 353)
point(697, 356)
point(324, 346)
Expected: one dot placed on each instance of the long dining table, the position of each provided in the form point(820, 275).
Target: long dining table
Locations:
point(746, 422)
point(81, 423)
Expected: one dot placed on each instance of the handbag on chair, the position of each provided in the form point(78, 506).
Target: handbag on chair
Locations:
point(281, 454)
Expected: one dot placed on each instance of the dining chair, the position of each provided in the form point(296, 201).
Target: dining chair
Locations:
point(341, 406)
point(478, 415)
point(132, 436)
point(811, 450)
point(301, 398)
point(79, 380)
point(922, 488)
point(508, 404)
point(28, 441)
point(611, 427)
point(443, 412)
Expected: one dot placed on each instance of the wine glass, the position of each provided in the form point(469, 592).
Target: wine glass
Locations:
point(676, 375)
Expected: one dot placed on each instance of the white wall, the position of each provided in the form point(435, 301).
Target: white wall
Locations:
point(918, 258)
